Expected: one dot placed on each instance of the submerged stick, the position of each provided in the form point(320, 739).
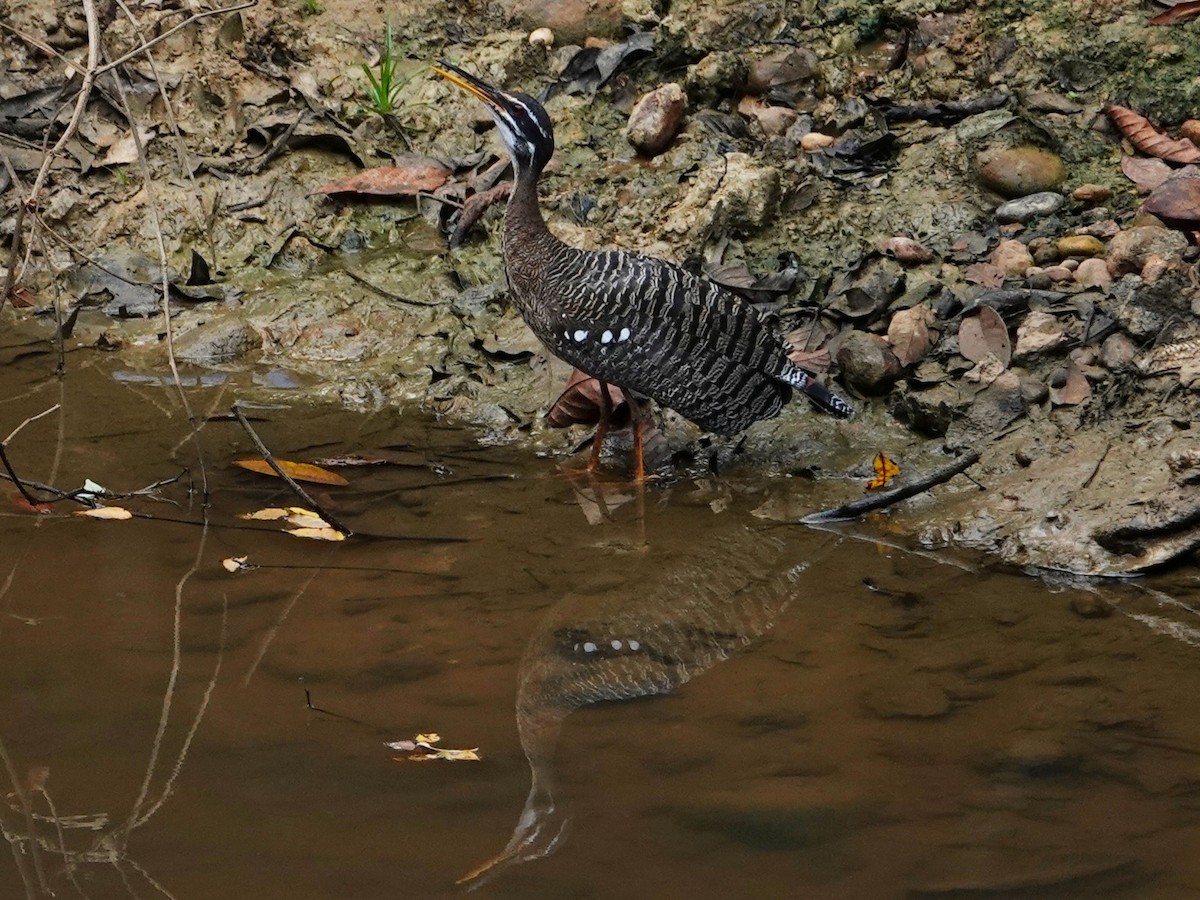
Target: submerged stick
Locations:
point(888, 498)
point(278, 470)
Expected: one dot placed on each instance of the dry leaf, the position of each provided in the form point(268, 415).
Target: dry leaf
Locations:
point(1180, 12)
point(424, 743)
point(307, 520)
point(410, 176)
point(885, 471)
point(1176, 202)
point(298, 471)
point(580, 404)
point(982, 334)
point(125, 151)
point(269, 514)
point(105, 512)
point(236, 564)
point(1143, 134)
point(910, 335)
point(984, 274)
point(1146, 172)
point(905, 250)
point(471, 755)
point(1072, 389)
point(317, 534)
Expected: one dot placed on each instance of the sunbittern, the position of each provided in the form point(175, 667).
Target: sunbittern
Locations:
point(637, 322)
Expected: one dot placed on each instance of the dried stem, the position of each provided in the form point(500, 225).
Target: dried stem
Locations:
point(278, 470)
point(888, 498)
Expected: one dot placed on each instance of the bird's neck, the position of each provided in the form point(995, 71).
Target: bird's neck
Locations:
point(528, 244)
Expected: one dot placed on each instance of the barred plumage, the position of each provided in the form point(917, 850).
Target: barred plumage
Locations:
point(634, 321)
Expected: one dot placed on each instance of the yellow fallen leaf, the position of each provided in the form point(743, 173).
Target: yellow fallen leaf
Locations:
point(298, 471)
point(268, 514)
point(105, 512)
point(317, 534)
point(432, 738)
point(885, 471)
point(236, 563)
point(308, 520)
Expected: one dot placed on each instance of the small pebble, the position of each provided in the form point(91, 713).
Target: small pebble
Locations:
point(1155, 268)
point(815, 140)
point(1033, 392)
point(1093, 273)
point(1059, 274)
point(1191, 130)
point(1044, 250)
point(1088, 606)
point(655, 119)
point(1012, 257)
point(541, 37)
point(1094, 215)
point(1130, 250)
point(1080, 245)
point(1071, 264)
point(1032, 207)
point(1021, 171)
point(1117, 352)
point(1091, 193)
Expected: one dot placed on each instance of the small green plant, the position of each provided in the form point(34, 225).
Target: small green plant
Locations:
point(383, 88)
point(310, 8)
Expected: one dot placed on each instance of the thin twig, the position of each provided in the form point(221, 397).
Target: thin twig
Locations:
point(15, 480)
point(142, 48)
point(34, 418)
point(383, 292)
point(10, 274)
point(888, 498)
point(278, 470)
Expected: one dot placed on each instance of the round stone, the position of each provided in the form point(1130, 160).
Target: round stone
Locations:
point(1021, 171)
point(1080, 245)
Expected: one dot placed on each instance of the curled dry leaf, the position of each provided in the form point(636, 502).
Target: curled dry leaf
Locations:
point(298, 471)
point(984, 274)
point(236, 564)
point(910, 333)
point(317, 534)
point(307, 520)
point(580, 404)
point(984, 333)
point(269, 514)
point(410, 176)
point(1143, 134)
point(105, 512)
point(421, 749)
point(474, 207)
point(1179, 12)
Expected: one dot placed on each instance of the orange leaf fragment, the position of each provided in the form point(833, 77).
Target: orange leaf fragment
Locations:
point(410, 176)
point(299, 471)
point(1180, 12)
point(885, 471)
point(580, 404)
point(1144, 135)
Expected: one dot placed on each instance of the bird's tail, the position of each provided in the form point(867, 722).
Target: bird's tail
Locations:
point(819, 395)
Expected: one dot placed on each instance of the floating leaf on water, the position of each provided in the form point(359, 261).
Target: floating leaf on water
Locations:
point(307, 520)
point(885, 471)
point(411, 175)
point(471, 755)
point(269, 514)
point(984, 333)
point(105, 512)
point(236, 564)
point(431, 738)
point(424, 744)
point(298, 471)
point(317, 534)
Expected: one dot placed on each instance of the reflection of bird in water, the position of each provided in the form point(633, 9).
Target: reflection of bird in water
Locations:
point(618, 645)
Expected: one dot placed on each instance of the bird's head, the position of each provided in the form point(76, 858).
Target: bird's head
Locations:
point(524, 126)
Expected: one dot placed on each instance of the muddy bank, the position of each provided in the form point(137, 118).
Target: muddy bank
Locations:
point(933, 200)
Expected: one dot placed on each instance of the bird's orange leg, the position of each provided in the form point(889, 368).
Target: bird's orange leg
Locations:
point(606, 407)
point(639, 464)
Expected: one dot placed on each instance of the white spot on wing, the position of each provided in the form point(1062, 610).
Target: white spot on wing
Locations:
point(606, 338)
point(624, 336)
point(580, 336)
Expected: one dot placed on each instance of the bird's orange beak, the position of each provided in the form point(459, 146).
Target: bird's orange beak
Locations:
point(469, 83)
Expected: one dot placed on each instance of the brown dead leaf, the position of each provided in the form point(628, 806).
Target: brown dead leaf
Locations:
point(299, 471)
point(20, 297)
point(1177, 202)
point(808, 345)
point(579, 404)
point(1146, 172)
point(1180, 12)
point(411, 175)
point(1069, 386)
point(474, 207)
point(984, 333)
point(984, 274)
point(910, 333)
point(905, 250)
point(1144, 135)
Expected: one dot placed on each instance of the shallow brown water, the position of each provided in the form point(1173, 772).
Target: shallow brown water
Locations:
point(846, 719)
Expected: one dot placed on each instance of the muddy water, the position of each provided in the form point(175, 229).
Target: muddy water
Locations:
point(705, 706)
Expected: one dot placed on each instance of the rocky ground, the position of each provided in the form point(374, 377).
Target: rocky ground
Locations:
point(964, 213)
